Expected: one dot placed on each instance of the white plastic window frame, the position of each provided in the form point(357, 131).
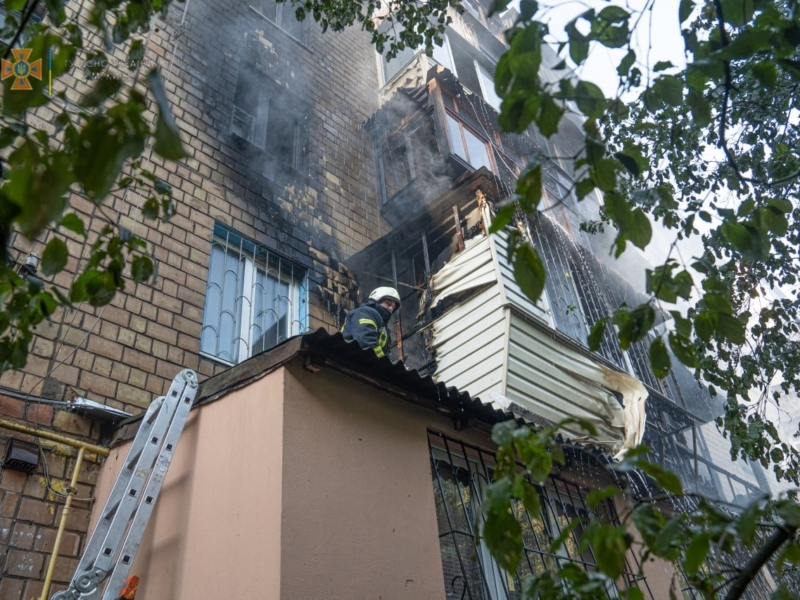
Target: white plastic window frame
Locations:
point(462, 126)
point(245, 339)
point(487, 86)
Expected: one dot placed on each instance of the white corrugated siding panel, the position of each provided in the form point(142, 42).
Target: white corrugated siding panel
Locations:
point(514, 295)
point(536, 382)
point(470, 343)
point(472, 268)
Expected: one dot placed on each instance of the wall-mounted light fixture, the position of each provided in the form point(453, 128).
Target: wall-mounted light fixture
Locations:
point(21, 456)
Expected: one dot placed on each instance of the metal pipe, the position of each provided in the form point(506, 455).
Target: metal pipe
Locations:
point(397, 322)
point(62, 524)
point(73, 443)
point(54, 437)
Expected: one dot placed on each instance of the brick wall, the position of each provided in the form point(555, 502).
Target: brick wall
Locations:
point(30, 510)
point(125, 353)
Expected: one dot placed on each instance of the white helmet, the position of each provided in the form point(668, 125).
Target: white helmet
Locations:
point(380, 293)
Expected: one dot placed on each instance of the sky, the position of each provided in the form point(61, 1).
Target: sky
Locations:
point(656, 37)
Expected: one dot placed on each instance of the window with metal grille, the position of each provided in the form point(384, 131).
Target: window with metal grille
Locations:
point(255, 299)
point(461, 474)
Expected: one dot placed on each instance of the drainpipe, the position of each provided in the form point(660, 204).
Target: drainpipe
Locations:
point(82, 447)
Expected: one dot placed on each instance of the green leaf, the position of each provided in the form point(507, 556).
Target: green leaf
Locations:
point(597, 497)
point(529, 271)
point(696, 552)
point(141, 269)
point(747, 524)
point(135, 55)
point(54, 257)
point(74, 223)
point(578, 43)
point(700, 107)
point(789, 553)
point(529, 187)
point(744, 45)
point(780, 204)
point(604, 174)
point(685, 10)
point(666, 480)
point(503, 217)
point(792, 67)
point(662, 65)
point(610, 27)
point(167, 137)
point(584, 187)
point(549, 116)
point(670, 89)
point(610, 544)
point(150, 208)
point(640, 232)
point(626, 63)
point(753, 244)
point(596, 334)
point(737, 12)
point(590, 99)
point(682, 348)
point(634, 325)
point(659, 358)
point(718, 303)
point(501, 531)
point(104, 89)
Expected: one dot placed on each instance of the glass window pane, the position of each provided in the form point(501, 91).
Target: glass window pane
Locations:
point(456, 143)
point(269, 8)
point(487, 86)
point(441, 54)
point(392, 67)
point(478, 154)
point(254, 299)
point(289, 22)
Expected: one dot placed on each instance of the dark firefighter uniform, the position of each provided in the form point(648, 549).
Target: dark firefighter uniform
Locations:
point(367, 325)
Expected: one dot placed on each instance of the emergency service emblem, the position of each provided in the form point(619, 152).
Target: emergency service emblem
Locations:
point(21, 69)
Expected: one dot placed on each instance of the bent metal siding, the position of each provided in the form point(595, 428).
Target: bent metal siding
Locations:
point(495, 344)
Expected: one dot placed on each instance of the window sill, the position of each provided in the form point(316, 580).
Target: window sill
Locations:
point(279, 28)
point(216, 359)
point(279, 171)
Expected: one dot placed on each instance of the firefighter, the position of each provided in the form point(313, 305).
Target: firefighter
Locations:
point(367, 323)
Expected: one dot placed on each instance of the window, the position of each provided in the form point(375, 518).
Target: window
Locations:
point(406, 155)
point(461, 475)
point(270, 118)
point(282, 15)
point(487, 87)
point(467, 145)
point(255, 299)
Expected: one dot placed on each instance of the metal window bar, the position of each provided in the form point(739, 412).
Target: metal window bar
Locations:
point(255, 298)
point(461, 472)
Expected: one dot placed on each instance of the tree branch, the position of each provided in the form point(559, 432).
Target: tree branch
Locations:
point(775, 541)
point(26, 17)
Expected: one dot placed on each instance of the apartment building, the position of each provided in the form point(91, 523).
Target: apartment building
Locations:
point(317, 170)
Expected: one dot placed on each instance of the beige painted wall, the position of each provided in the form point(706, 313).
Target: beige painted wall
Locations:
point(215, 532)
point(359, 519)
point(353, 516)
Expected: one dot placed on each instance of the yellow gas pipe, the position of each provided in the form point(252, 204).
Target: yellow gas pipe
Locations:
point(81, 447)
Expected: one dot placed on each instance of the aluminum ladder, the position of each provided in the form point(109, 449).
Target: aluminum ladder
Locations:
point(115, 540)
